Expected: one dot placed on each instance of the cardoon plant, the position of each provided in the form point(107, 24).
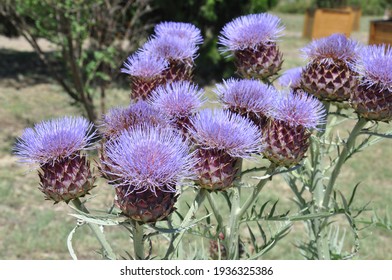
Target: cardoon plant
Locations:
point(329, 74)
point(222, 138)
point(178, 101)
point(57, 146)
point(249, 98)
point(372, 99)
point(147, 161)
point(179, 52)
point(287, 134)
point(148, 166)
point(146, 72)
point(251, 39)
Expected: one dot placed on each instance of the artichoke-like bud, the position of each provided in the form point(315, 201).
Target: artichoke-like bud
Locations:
point(146, 72)
point(373, 98)
point(148, 165)
point(329, 75)
point(222, 139)
point(251, 39)
point(57, 147)
point(286, 135)
point(178, 101)
point(178, 52)
point(248, 98)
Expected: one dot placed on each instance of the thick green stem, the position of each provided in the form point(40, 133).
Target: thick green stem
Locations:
point(107, 249)
point(342, 158)
point(238, 211)
point(215, 210)
point(138, 240)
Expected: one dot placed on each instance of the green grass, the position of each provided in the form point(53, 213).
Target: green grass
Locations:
point(32, 228)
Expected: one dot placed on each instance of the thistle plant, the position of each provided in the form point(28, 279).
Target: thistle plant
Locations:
point(329, 74)
point(248, 98)
point(288, 129)
point(251, 39)
point(146, 73)
point(57, 148)
point(148, 164)
point(178, 102)
point(221, 139)
point(179, 52)
point(183, 174)
point(372, 99)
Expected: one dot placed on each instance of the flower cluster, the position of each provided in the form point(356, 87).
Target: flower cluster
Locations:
point(164, 138)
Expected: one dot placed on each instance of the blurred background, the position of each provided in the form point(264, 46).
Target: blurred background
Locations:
point(64, 58)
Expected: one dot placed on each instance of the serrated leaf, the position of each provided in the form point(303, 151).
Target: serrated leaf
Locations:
point(272, 211)
point(351, 200)
point(252, 236)
point(261, 211)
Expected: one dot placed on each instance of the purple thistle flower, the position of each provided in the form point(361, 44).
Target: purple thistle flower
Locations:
point(332, 48)
point(54, 140)
point(177, 100)
point(170, 48)
point(250, 31)
point(375, 66)
point(185, 31)
point(247, 97)
point(291, 78)
point(222, 130)
point(150, 158)
point(300, 110)
point(144, 65)
point(122, 118)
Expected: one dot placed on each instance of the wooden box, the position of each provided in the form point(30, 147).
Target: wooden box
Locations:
point(325, 22)
point(380, 32)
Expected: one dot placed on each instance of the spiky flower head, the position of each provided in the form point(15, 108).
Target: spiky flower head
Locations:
point(144, 65)
point(136, 114)
point(178, 101)
point(222, 130)
point(250, 31)
point(170, 48)
point(182, 30)
point(250, 98)
point(179, 52)
point(300, 110)
point(222, 138)
point(56, 146)
point(54, 140)
point(336, 47)
point(291, 78)
point(287, 134)
point(252, 41)
point(147, 165)
point(373, 98)
point(146, 72)
point(329, 75)
point(375, 66)
point(150, 158)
